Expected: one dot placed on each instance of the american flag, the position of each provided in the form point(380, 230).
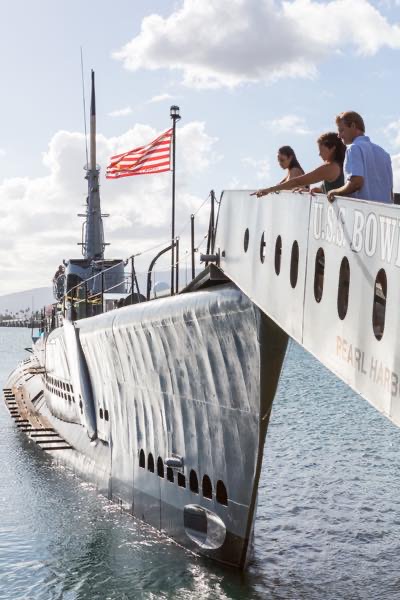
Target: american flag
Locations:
point(144, 160)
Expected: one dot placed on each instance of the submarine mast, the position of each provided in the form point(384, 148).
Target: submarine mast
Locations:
point(93, 242)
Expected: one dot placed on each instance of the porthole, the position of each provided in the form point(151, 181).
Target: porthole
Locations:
point(106, 416)
point(379, 308)
point(150, 463)
point(221, 493)
point(262, 247)
point(170, 474)
point(343, 288)
point(142, 459)
point(160, 467)
point(181, 480)
point(294, 264)
point(319, 273)
point(278, 254)
point(246, 240)
point(207, 487)
point(101, 413)
point(193, 482)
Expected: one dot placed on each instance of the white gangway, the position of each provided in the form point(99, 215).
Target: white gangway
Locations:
point(329, 275)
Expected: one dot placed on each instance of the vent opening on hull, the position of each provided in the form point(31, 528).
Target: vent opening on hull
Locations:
point(142, 460)
point(181, 480)
point(193, 482)
point(207, 487)
point(160, 467)
point(170, 474)
point(150, 463)
point(221, 493)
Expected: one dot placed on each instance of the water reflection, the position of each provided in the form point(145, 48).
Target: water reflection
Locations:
point(328, 521)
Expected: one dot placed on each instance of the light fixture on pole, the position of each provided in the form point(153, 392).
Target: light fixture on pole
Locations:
point(175, 116)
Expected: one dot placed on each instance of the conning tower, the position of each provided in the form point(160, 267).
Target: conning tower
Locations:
point(98, 273)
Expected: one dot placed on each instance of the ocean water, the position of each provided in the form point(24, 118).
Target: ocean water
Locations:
point(328, 521)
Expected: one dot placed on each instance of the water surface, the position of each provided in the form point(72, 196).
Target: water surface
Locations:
point(328, 524)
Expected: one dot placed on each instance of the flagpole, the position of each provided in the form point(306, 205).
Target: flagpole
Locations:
point(175, 116)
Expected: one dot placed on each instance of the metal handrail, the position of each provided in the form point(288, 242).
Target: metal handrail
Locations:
point(153, 262)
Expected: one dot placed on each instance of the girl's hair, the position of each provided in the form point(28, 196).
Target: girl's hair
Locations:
point(332, 140)
point(289, 152)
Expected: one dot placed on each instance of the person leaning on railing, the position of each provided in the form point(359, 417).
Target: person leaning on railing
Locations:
point(330, 173)
point(367, 167)
point(287, 160)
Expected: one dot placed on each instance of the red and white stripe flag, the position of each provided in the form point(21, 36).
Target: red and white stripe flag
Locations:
point(145, 160)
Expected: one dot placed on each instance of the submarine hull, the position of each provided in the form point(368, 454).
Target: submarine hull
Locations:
point(164, 406)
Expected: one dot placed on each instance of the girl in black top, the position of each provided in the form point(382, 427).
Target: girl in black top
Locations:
point(330, 173)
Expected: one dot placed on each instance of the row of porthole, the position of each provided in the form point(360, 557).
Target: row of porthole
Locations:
point(221, 494)
point(62, 385)
point(380, 287)
point(59, 393)
point(380, 291)
point(294, 258)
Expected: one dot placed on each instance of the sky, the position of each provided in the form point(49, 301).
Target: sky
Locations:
point(248, 75)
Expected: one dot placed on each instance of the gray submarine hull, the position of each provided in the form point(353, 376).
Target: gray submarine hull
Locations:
point(164, 406)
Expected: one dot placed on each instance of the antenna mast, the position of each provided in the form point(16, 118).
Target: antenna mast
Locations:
point(84, 107)
point(93, 243)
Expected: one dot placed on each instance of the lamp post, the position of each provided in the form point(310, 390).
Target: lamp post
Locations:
point(175, 116)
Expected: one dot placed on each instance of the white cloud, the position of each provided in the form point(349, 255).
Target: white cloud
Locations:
point(393, 132)
point(326, 24)
point(121, 112)
point(231, 42)
point(2, 152)
point(161, 98)
point(42, 228)
point(288, 124)
point(262, 167)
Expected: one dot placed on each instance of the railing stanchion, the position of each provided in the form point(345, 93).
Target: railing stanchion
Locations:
point(86, 299)
point(177, 266)
point(102, 291)
point(132, 276)
point(72, 304)
point(212, 220)
point(192, 244)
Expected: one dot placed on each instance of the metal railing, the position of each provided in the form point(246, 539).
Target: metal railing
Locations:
point(80, 301)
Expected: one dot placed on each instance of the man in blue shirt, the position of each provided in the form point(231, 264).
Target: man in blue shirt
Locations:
point(367, 167)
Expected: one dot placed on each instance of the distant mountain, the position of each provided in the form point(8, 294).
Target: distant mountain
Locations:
point(40, 297)
point(36, 299)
